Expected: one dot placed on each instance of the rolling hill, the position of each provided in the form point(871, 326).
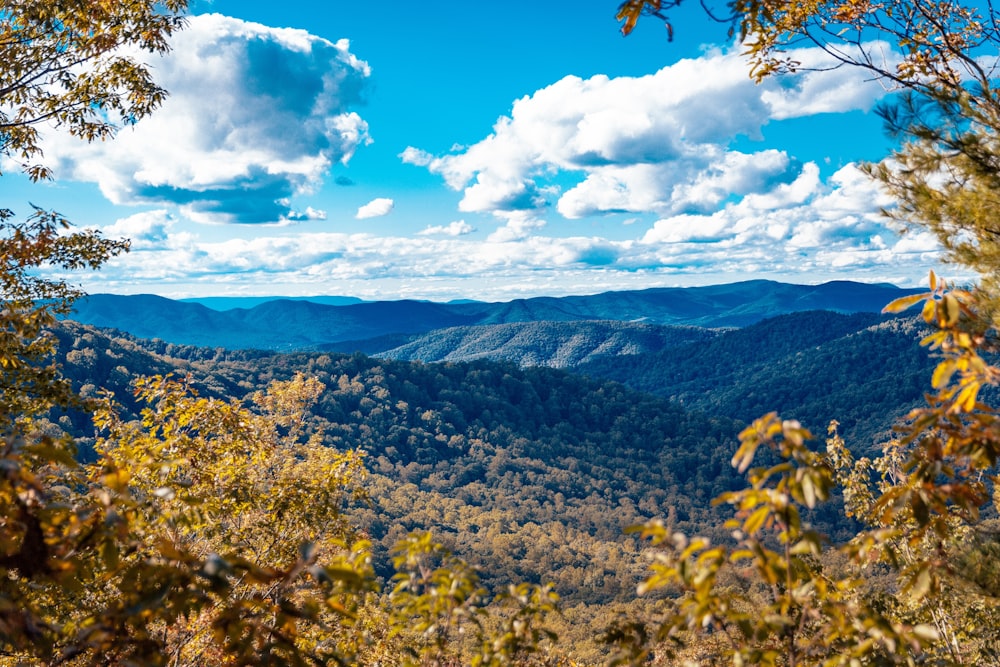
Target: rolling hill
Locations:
point(553, 344)
point(864, 370)
point(300, 325)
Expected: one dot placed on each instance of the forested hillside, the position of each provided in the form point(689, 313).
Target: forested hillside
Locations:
point(864, 370)
point(533, 473)
point(554, 344)
point(497, 459)
point(489, 456)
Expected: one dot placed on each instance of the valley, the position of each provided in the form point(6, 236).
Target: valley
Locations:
point(501, 437)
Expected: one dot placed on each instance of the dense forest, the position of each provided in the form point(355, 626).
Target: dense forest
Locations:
point(863, 369)
point(471, 449)
point(533, 473)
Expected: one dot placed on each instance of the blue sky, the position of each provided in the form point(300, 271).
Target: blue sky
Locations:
point(451, 149)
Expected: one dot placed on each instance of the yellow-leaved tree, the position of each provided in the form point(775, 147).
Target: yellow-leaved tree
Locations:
point(208, 533)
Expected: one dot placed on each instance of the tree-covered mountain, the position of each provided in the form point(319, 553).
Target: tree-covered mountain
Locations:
point(501, 462)
point(498, 459)
point(554, 344)
point(533, 473)
point(294, 324)
point(864, 370)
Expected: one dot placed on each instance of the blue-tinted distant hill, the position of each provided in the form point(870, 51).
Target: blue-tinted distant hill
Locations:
point(222, 303)
point(289, 324)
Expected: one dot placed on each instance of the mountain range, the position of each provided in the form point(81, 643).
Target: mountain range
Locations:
point(618, 322)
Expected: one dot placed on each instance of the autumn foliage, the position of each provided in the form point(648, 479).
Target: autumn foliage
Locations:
point(214, 531)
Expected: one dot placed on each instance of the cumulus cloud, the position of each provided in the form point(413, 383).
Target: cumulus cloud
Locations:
point(794, 243)
point(520, 226)
point(805, 228)
point(145, 230)
point(255, 116)
point(376, 208)
point(309, 214)
point(658, 143)
point(822, 87)
point(456, 228)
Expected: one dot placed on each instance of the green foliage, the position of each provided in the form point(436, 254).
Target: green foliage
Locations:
point(437, 599)
point(68, 63)
point(60, 65)
point(206, 530)
point(796, 613)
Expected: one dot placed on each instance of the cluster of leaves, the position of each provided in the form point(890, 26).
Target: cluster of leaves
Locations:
point(630, 11)
point(206, 529)
point(72, 63)
point(30, 305)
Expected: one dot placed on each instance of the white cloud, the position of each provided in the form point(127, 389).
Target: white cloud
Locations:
point(519, 226)
point(456, 228)
point(657, 143)
point(822, 87)
point(795, 243)
point(376, 208)
point(255, 116)
point(309, 214)
point(148, 229)
point(804, 228)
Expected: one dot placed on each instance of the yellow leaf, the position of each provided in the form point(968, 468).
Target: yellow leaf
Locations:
point(942, 374)
point(920, 586)
point(929, 309)
point(806, 546)
point(116, 479)
point(950, 309)
point(966, 399)
point(904, 302)
point(754, 522)
point(808, 492)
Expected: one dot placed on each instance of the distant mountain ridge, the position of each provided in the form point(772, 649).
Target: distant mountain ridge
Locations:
point(223, 303)
point(290, 324)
